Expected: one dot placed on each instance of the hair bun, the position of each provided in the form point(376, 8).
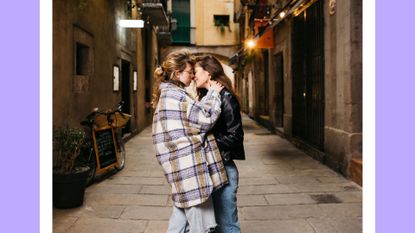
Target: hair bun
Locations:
point(159, 71)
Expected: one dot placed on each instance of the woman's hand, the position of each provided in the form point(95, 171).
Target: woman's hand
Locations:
point(216, 86)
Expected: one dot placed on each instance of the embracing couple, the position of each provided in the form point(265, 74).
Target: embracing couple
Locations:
point(196, 141)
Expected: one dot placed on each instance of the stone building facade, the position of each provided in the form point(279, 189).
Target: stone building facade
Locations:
point(97, 63)
point(307, 84)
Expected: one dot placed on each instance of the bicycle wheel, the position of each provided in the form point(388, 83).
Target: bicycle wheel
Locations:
point(121, 155)
point(87, 159)
point(92, 164)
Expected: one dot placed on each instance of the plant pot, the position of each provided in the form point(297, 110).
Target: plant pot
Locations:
point(69, 189)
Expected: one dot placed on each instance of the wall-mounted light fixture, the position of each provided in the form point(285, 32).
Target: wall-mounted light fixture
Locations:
point(131, 23)
point(116, 78)
point(332, 7)
point(135, 81)
point(250, 43)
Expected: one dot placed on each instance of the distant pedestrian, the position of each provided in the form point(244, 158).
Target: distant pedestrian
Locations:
point(188, 155)
point(229, 136)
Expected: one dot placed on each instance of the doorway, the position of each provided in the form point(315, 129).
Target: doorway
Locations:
point(126, 90)
point(264, 103)
point(308, 75)
point(279, 90)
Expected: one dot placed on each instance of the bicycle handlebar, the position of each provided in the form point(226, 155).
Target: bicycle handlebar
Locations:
point(89, 119)
point(116, 108)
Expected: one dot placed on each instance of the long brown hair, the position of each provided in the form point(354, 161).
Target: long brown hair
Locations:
point(175, 62)
point(215, 69)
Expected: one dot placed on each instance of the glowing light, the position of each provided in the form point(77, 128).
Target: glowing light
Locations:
point(282, 14)
point(250, 43)
point(129, 23)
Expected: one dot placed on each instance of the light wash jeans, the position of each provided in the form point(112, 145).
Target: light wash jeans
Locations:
point(224, 201)
point(196, 219)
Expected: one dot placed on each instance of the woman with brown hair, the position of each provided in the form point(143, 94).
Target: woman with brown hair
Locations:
point(229, 136)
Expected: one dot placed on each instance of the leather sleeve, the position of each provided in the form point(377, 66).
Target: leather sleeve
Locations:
point(234, 134)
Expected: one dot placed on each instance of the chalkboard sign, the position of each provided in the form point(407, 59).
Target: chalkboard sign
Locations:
point(106, 148)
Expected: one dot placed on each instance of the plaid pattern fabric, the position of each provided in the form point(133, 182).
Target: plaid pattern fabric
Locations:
point(188, 155)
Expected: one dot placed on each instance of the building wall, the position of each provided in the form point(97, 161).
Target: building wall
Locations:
point(282, 35)
point(206, 33)
point(74, 96)
point(343, 53)
point(342, 77)
point(343, 82)
point(147, 53)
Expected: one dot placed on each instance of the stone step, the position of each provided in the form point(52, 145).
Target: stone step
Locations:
point(356, 170)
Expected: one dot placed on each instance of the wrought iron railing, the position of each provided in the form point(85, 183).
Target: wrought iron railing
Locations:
point(163, 2)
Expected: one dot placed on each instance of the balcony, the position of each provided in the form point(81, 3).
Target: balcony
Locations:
point(155, 12)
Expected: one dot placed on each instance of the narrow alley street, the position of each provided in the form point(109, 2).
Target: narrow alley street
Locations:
point(281, 190)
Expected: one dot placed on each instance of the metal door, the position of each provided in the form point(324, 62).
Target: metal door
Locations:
point(308, 75)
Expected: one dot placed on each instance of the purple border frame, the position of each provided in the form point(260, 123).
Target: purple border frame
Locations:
point(395, 116)
point(19, 175)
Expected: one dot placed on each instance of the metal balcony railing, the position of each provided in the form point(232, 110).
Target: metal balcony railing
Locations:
point(163, 3)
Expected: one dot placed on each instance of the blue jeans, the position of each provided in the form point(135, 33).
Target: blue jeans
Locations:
point(224, 201)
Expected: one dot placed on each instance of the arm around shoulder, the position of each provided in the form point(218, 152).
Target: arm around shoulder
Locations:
point(204, 113)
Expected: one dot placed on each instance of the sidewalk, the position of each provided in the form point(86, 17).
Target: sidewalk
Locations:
point(281, 190)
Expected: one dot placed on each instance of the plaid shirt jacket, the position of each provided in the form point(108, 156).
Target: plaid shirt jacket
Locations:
point(188, 155)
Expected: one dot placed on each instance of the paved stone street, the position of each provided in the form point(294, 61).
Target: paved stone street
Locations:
point(281, 190)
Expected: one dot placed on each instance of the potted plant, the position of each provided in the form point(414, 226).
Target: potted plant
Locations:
point(69, 178)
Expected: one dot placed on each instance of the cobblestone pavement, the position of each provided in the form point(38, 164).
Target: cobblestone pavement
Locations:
point(281, 190)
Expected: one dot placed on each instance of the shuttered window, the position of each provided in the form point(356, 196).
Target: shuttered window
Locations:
point(181, 11)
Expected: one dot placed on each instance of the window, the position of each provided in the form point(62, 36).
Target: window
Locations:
point(81, 59)
point(221, 20)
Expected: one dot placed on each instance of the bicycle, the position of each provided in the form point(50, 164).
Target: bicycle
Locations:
point(104, 150)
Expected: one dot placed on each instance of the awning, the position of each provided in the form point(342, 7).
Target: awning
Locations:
point(266, 39)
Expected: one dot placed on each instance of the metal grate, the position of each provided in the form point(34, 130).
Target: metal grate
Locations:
point(262, 134)
point(325, 198)
point(350, 188)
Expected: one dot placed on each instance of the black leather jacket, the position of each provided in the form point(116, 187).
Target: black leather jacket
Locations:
point(228, 129)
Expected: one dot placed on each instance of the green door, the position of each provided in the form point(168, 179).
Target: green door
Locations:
point(181, 11)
